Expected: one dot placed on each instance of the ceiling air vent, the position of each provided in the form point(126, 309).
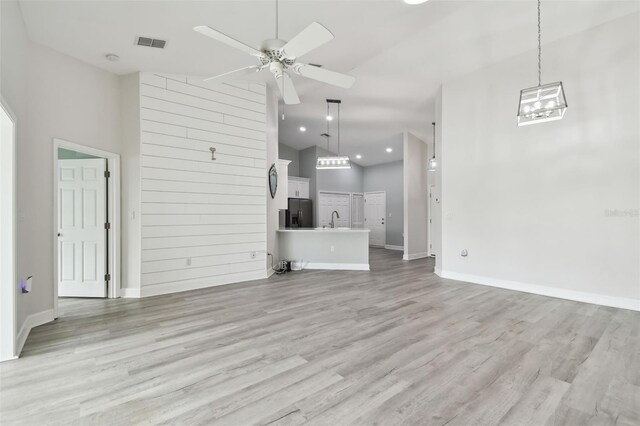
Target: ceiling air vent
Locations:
point(151, 42)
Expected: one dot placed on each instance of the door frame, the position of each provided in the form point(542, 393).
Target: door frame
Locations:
point(8, 271)
point(385, 214)
point(113, 199)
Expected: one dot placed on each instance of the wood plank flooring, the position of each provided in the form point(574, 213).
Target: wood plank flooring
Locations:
point(397, 345)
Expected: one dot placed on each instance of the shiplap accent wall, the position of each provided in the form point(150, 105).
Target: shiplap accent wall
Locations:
point(201, 219)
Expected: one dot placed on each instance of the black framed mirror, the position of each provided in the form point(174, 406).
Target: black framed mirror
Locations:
point(273, 180)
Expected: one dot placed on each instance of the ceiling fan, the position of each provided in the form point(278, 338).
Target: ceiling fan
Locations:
point(281, 58)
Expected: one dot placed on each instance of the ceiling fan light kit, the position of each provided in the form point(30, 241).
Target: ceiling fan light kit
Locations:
point(541, 103)
point(281, 58)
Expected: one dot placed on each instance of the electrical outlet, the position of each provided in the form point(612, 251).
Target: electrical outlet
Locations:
point(333, 249)
point(188, 261)
point(253, 254)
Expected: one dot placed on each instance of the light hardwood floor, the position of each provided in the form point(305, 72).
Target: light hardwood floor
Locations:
point(397, 345)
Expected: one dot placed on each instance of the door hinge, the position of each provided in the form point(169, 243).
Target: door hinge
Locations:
point(107, 225)
point(107, 174)
point(107, 277)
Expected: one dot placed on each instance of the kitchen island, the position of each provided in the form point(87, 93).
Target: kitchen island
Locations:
point(325, 248)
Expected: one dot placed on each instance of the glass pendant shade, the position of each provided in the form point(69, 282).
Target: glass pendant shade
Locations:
point(342, 162)
point(542, 103)
point(433, 164)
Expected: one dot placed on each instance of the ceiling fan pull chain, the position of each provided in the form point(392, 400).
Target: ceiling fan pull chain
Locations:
point(277, 16)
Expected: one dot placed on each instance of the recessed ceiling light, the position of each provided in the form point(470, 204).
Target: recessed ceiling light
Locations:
point(329, 118)
point(358, 156)
point(415, 1)
point(303, 129)
point(389, 149)
point(111, 57)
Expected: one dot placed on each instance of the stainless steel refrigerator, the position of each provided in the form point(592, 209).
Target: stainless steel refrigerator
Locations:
point(300, 213)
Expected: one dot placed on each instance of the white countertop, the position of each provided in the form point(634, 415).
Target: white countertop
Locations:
point(319, 230)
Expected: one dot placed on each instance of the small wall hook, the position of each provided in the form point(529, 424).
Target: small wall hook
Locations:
point(213, 153)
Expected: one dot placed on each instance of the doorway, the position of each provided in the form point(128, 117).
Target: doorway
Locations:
point(8, 281)
point(430, 210)
point(375, 213)
point(86, 222)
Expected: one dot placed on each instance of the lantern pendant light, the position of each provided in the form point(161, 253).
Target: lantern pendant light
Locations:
point(544, 102)
point(333, 162)
point(433, 163)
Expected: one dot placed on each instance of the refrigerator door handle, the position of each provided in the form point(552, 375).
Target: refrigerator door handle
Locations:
point(300, 216)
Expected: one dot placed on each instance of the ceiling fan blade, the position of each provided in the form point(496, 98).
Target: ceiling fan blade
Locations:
point(326, 76)
point(229, 41)
point(315, 35)
point(287, 89)
point(235, 73)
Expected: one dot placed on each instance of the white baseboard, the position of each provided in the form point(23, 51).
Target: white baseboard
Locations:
point(177, 287)
point(437, 271)
point(415, 256)
point(338, 266)
point(30, 322)
point(390, 247)
point(560, 293)
point(130, 293)
point(270, 272)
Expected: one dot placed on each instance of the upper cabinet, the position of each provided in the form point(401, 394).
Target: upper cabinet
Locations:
point(298, 187)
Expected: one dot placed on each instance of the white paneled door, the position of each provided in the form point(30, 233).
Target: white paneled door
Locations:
point(375, 211)
point(81, 228)
point(334, 201)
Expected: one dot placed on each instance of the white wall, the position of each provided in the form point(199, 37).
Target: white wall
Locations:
point(53, 96)
point(273, 150)
point(415, 197)
point(130, 167)
point(536, 206)
point(209, 213)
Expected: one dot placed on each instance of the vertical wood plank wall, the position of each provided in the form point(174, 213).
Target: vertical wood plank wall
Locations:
point(201, 219)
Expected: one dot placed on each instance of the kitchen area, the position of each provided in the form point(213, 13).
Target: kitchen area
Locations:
point(312, 237)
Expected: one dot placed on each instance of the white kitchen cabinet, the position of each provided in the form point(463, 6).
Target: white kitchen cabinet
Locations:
point(298, 187)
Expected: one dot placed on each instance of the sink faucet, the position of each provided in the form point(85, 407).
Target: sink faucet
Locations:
point(332, 224)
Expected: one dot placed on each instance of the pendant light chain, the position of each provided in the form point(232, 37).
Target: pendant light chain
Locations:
point(434, 139)
point(338, 129)
point(328, 127)
point(539, 49)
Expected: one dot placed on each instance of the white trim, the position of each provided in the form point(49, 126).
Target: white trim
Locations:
point(130, 293)
point(270, 272)
point(415, 256)
point(560, 293)
point(168, 288)
point(391, 247)
point(113, 162)
point(338, 266)
point(8, 266)
point(30, 322)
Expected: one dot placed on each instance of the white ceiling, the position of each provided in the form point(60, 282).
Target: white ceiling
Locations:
point(400, 54)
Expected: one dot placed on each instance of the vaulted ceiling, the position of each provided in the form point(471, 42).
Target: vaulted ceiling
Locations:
point(400, 54)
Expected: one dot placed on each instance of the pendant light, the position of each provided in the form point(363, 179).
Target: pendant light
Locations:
point(433, 163)
point(333, 162)
point(544, 102)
